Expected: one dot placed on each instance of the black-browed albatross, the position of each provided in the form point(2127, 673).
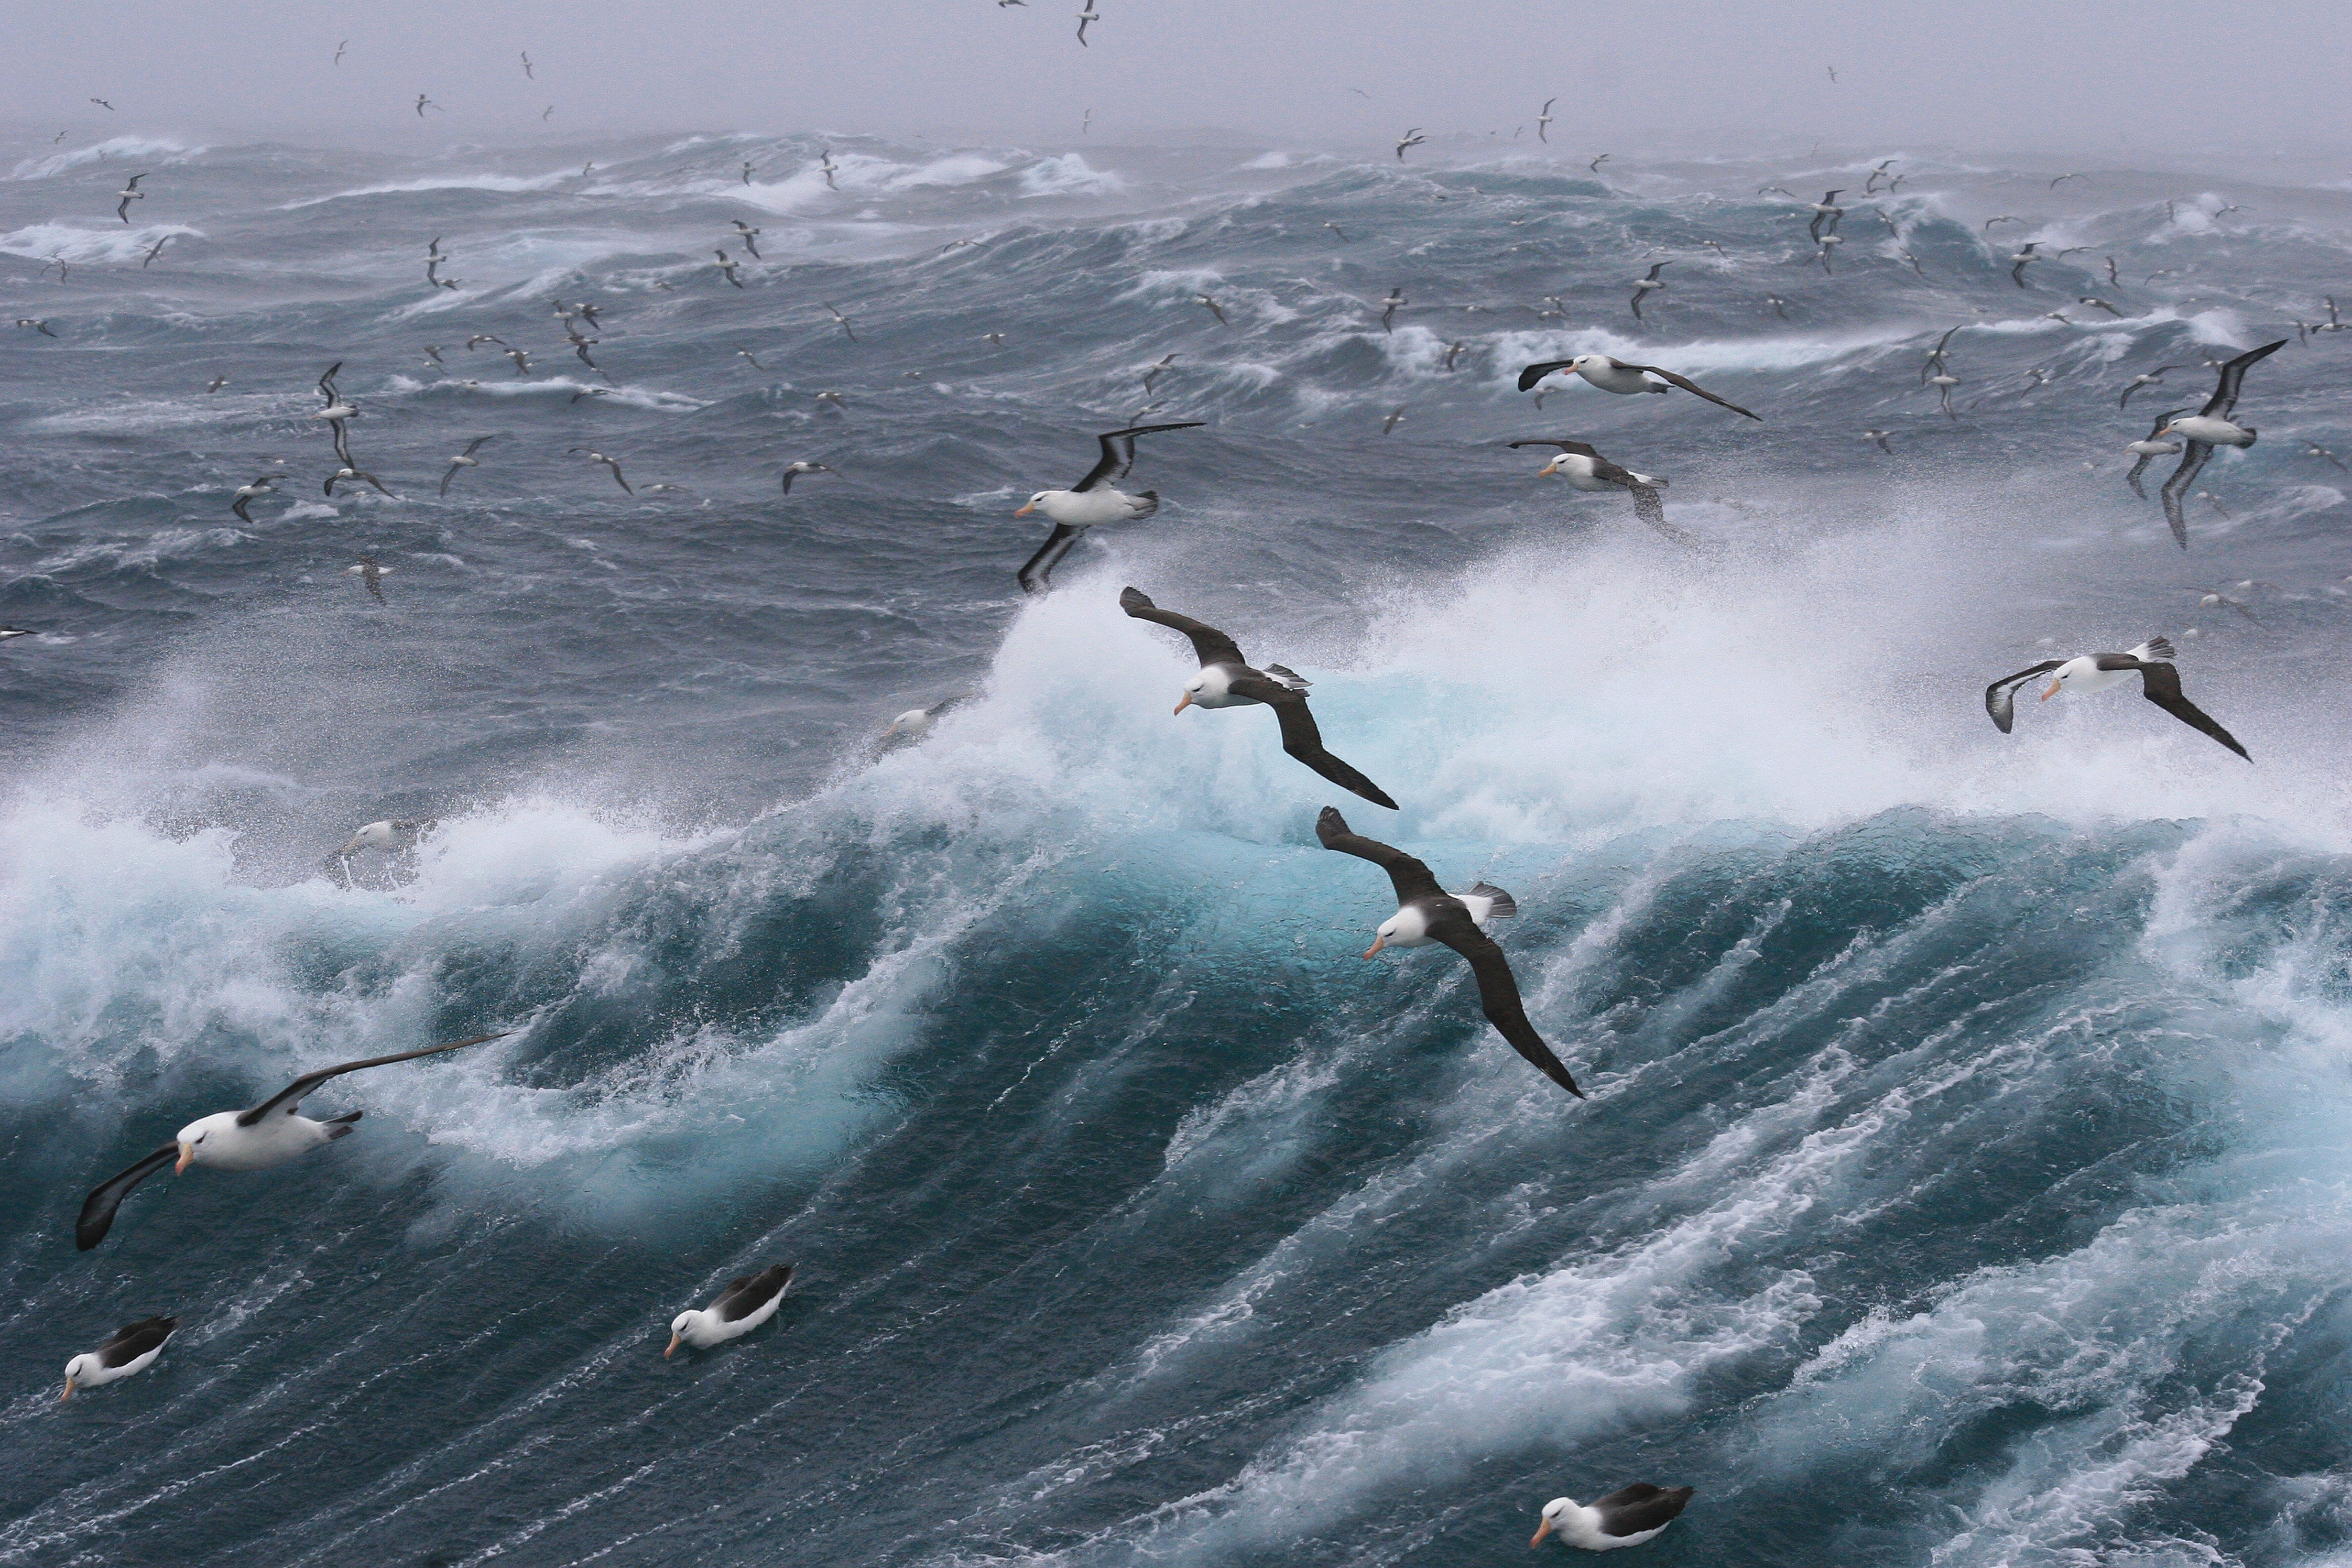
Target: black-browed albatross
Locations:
point(1622, 377)
point(269, 1134)
point(744, 1305)
point(2160, 683)
point(133, 1348)
point(1229, 680)
point(1586, 469)
point(1091, 502)
point(2208, 427)
point(1626, 1517)
point(2150, 447)
point(1426, 912)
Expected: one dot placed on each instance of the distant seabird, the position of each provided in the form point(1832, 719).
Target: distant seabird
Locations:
point(337, 412)
point(1624, 1517)
point(1228, 681)
point(843, 321)
point(795, 470)
point(423, 103)
point(269, 1134)
point(348, 475)
point(1413, 137)
point(133, 1348)
point(395, 837)
point(1342, 232)
point(2098, 304)
point(1454, 351)
point(153, 251)
point(743, 1306)
point(1213, 308)
point(526, 66)
point(2023, 256)
point(31, 324)
point(1155, 371)
point(1643, 284)
point(1088, 14)
point(1825, 211)
point(746, 171)
point(2160, 683)
point(130, 193)
point(1389, 307)
point(103, 104)
point(1936, 355)
point(1779, 306)
point(1943, 381)
point(1827, 248)
point(522, 360)
point(1877, 173)
point(1595, 164)
point(1621, 376)
point(1426, 912)
point(727, 268)
point(370, 574)
point(2004, 217)
point(2150, 447)
point(465, 459)
point(1092, 501)
point(338, 52)
point(1395, 418)
point(8, 632)
point(750, 236)
point(2314, 450)
point(245, 494)
point(1881, 437)
point(2147, 378)
point(747, 357)
point(1586, 469)
point(1543, 120)
point(2208, 427)
point(217, 383)
point(480, 338)
point(596, 457)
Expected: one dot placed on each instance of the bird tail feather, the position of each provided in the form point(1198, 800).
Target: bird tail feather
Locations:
point(1504, 906)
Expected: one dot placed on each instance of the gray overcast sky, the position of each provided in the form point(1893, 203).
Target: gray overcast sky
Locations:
point(1995, 73)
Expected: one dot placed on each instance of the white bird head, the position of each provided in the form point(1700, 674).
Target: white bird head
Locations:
point(677, 1327)
point(1033, 503)
point(81, 1366)
point(2065, 675)
point(1553, 1512)
point(194, 1135)
point(1194, 689)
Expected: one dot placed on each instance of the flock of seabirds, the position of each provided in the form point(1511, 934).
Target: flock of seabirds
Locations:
point(274, 1131)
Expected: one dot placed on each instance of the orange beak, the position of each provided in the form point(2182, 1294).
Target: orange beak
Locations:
point(2055, 686)
point(1025, 510)
point(1378, 943)
point(67, 1393)
point(1182, 702)
point(187, 1158)
point(1541, 1530)
point(673, 1345)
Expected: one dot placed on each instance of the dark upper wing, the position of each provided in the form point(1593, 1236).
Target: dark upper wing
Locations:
point(1650, 508)
point(291, 1095)
point(1037, 573)
point(1640, 1506)
point(327, 384)
point(2233, 374)
point(2160, 684)
point(1579, 448)
point(1212, 646)
point(1691, 386)
point(342, 441)
point(1530, 375)
point(134, 1340)
point(97, 1216)
point(1498, 993)
point(1118, 450)
point(2131, 475)
point(1302, 739)
point(2162, 420)
point(2000, 696)
point(2193, 457)
point(746, 1296)
point(1411, 877)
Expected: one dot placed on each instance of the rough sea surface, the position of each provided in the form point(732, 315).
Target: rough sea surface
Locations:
point(1965, 1176)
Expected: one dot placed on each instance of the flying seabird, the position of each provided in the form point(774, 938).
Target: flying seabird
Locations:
point(1214, 308)
point(1454, 351)
point(1595, 164)
point(1620, 376)
point(743, 1306)
point(2098, 304)
point(1828, 248)
point(2314, 450)
point(480, 338)
point(245, 494)
point(746, 171)
point(153, 251)
point(7, 631)
point(1426, 912)
point(1825, 211)
point(2208, 427)
point(1936, 355)
point(2149, 378)
point(1624, 1517)
point(465, 459)
point(747, 356)
point(251, 1140)
point(750, 236)
point(2150, 447)
point(1228, 681)
point(1586, 469)
point(2212, 598)
point(727, 268)
point(133, 1348)
point(1389, 307)
point(1779, 306)
point(1395, 418)
point(842, 320)
point(526, 66)
point(2004, 217)
point(1880, 436)
point(30, 324)
point(1643, 284)
point(596, 457)
point(522, 360)
point(795, 470)
point(349, 474)
point(1413, 137)
point(423, 103)
point(395, 837)
point(2160, 683)
point(1943, 381)
point(1092, 501)
point(1543, 120)
point(217, 383)
point(1155, 371)
point(103, 104)
point(130, 193)
point(2023, 256)
point(371, 575)
point(338, 52)
point(1877, 173)
point(337, 412)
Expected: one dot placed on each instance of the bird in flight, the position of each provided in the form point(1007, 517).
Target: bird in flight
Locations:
point(103, 104)
point(526, 66)
point(1412, 138)
point(339, 51)
point(1543, 120)
point(423, 103)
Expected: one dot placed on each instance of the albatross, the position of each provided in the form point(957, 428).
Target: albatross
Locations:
point(1427, 913)
point(269, 1134)
point(2208, 427)
point(2150, 447)
point(133, 1348)
point(1092, 501)
point(1626, 1517)
point(243, 498)
point(1228, 681)
point(336, 412)
point(744, 1305)
point(1643, 284)
point(465, 459)
point(129, 193)
point(1586, 469)
point(2160, 683)
point(1620, 376)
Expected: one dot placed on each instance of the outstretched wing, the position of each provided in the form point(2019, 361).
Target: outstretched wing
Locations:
point(1530, 375)
point(1579, 448)
point(1118, 451)
point(1498, 993)
point(1691, 386)
point(1651, 508)
point(2193, 457)
point(2160, 684)
point(97, 1216)
point(2131, 475)
point(2233, 374)
point(342, 441)
point(291, 1095)
point(1212, 646)
point(1037, 573)
point(1302, 739)
point(1410, 878)
point(327, 384)
point(2000, 696)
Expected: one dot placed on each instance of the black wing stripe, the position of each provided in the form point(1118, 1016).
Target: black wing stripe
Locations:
point(1498, 993)
point(2160, 684)
point(97, 1216)
point(2000, 696)
point(1410, 878)
point(1037, 573)
point(309, 1080)
point(1304, 741)
point(1212, 646)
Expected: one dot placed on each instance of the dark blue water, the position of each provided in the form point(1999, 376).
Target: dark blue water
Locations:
point(1963, 1180)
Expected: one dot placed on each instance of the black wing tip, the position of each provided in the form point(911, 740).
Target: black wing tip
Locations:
point(1533, 374)
point(1377, 795)
point(1331, 825)
point(1134, 599)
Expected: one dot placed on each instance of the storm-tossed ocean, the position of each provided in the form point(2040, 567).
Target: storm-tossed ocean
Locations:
point(1964, 1180)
